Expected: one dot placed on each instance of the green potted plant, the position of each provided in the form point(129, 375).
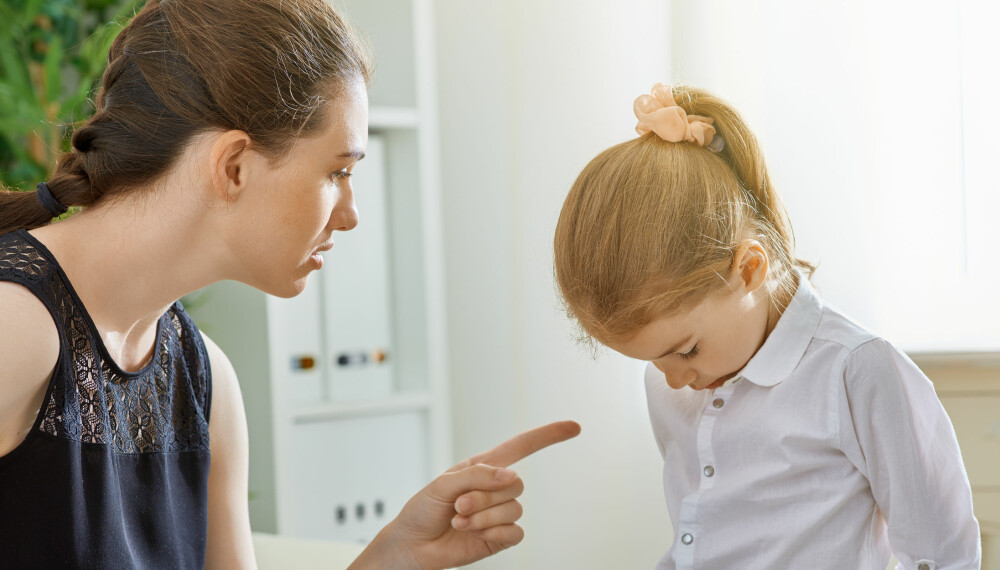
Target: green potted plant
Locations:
point(52, 55)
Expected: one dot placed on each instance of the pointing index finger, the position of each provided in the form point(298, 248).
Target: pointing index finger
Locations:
point(523, 445)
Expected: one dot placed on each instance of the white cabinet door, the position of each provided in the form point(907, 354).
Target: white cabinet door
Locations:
point(295, 336)
point(350, 477)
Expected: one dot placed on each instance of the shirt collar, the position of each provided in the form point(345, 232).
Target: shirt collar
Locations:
point(787, 343)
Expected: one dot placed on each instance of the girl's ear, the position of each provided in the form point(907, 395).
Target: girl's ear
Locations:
point(750, 265)
point(229, 162)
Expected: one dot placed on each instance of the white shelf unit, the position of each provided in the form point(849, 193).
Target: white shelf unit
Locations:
point(330, 442)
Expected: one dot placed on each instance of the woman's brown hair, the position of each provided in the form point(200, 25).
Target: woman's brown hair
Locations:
point(182, 67)
point(650, 227)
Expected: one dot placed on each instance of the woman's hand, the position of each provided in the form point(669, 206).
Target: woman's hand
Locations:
point(466, 514)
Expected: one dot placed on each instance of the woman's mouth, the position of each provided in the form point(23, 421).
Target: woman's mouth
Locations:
point(317, 256)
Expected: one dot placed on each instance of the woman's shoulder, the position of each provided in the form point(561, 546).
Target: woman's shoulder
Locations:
point(28, 334)
point(29, 349)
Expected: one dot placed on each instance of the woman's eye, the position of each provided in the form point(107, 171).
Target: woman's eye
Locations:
point(690, 354)
point(340, 175)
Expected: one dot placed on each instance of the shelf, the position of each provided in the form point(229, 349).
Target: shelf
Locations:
point(393, 118)
point(965, 359)
point(329, 412)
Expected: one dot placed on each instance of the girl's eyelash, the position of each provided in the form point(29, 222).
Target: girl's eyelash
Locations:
point(690, 354)
point(340, 175)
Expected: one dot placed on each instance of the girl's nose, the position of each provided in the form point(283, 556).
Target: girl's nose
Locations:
point(677, 378)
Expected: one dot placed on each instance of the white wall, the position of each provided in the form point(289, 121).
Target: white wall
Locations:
point(875, 149)
point(529, 93)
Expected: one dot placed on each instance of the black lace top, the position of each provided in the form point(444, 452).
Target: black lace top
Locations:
point(114, 472)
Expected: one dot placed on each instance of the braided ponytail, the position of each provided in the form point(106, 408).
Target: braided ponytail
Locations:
point(187, 66)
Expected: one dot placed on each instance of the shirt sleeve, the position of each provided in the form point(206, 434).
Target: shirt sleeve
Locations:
point(654, 384)
point(912, 459)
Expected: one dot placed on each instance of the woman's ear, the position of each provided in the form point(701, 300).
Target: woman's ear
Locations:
point(229, 162)
point(750, 265)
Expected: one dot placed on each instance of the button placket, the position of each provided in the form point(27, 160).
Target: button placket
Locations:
point(688, 526)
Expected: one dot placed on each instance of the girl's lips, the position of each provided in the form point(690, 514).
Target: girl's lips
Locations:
point(715, 384)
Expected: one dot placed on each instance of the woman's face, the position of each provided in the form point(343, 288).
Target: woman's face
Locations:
point(289, 211)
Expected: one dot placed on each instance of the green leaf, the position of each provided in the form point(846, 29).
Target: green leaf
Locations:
point(8, 21)
point(53, 70)
point(31, 9)
point(15, 74)
point(22, 154)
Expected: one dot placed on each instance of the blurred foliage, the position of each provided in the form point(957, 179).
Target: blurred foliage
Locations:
point(52, 55)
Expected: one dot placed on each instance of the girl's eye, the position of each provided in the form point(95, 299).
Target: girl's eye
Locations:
point(340, 175)
point(690, 354)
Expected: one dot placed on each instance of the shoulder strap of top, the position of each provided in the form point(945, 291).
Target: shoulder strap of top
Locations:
point(163, 407)
point(23, 263)
point(194, 353)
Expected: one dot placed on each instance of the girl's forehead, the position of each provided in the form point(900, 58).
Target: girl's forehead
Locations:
point(675, 329)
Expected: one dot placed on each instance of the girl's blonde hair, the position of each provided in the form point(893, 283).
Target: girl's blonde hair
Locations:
point(650, 227)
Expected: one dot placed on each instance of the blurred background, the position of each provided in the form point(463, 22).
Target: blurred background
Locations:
point(435, 330)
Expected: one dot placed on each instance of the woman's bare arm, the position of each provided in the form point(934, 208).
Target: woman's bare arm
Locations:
point(229, 542)
point(29, 347)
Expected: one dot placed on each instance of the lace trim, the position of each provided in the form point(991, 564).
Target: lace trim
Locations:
point(159, 409)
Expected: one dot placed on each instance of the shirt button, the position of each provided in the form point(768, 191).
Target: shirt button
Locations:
point(709, 471)
point(687, 539)
point(718, 403)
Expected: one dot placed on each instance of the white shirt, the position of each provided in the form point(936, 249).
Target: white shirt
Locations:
point(829, 449)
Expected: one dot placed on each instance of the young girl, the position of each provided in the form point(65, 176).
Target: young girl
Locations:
point(222, 147)
point(791, 437)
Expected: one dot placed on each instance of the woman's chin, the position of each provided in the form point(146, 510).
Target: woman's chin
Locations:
point(285, 289)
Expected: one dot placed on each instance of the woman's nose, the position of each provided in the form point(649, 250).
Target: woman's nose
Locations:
point(345, 211)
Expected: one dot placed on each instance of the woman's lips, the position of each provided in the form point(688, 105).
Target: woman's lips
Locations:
point(317, 257)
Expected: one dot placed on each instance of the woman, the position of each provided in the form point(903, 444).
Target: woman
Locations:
point(222, 147)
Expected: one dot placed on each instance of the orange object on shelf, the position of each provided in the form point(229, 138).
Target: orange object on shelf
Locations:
point(303, 363)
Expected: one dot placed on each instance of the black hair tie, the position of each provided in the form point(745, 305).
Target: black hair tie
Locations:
point(55, 207)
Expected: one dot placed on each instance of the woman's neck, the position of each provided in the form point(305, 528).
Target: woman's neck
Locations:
point(129, 262)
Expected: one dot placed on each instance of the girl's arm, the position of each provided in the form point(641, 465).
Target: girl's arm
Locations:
point(230, 544)
point(913, 461)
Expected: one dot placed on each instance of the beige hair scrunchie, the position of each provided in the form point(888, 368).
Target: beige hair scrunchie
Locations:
point(657, 112)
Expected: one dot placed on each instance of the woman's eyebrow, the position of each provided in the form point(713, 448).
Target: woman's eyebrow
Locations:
point(355, 154)
point(675, 347)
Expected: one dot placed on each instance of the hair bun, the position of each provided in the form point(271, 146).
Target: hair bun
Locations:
point(83, 138)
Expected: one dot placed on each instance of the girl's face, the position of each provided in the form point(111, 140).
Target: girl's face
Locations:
point(708, 344)
point(290, 211)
